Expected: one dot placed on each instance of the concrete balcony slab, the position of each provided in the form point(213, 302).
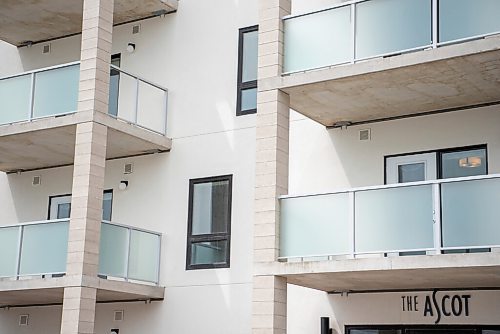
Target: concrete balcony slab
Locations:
point(22, 21)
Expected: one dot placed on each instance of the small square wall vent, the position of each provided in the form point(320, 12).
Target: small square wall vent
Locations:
point(46, 49)
point(118, 315)
point(36, 181)
point(365, 134)
point(23, 319)
point(128, 169)
point(136, 29)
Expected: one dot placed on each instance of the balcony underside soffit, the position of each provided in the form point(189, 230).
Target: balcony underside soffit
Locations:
point(40, 20)
point(441, 85)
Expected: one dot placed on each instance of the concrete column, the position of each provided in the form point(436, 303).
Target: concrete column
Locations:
point(271, 180)
point(78, 312)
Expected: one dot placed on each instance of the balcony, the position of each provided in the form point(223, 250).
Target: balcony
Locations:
point(33, 263)
point(443, 233)
point(23, 21)
point(38, 118)
point(371, 60)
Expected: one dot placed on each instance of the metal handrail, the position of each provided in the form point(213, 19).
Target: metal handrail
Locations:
point(44, 69)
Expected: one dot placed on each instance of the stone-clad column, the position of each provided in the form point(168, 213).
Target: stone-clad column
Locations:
point(271, 179)
point(78, 312)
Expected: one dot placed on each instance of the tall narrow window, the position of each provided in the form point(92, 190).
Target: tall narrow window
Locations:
point(209, 223)
point(114, 85)
point(247, 71)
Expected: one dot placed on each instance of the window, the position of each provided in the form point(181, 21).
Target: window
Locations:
point(440, 164)
point(247, 71)
point(60, 206)
point(114, 85)
point(209, 223)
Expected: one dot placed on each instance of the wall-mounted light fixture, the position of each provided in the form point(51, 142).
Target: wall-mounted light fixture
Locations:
point(123, 185)
point(130, 47)
point(469, 162)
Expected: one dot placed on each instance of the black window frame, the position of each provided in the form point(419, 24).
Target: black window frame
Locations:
point(105, 191)
point(477, 329)
point(244, 85)
point(219, 236)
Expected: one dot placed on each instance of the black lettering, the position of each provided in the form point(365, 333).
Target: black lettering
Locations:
point(416, 303)
point(466, 304)
point(434, 301)
point(457, 310)
point(443, 306)
point(428, 307)
point(409, 303)
point(403, 300)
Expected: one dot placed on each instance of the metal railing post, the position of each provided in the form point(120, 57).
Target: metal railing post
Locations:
point(159, 261)
point(19, 249)
point(436, 197)
point(435, 23)
point(32, 97)
point(352, 227)
point(127, 259)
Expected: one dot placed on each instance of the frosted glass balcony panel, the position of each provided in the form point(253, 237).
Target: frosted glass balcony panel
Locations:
point(144, 256)
point(470, 213)
point(113, 251)
point(394, 219)
point(127, 91)
point(151, 108)
point(314, 225)
point(15, 98)
point(467, 18)
point(56, 91)
point(9, 237)
point(44, 248)
point(387, 26)
point(318, 40)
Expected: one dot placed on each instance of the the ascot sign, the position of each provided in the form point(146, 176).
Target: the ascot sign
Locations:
point(437, 306)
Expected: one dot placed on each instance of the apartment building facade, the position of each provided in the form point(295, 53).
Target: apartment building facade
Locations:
point(250, 166)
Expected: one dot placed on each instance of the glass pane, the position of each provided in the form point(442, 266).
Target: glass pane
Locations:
point(463, 163)
point(127, 92)
point(63, 210)
point(114, 86)
point(467, 18)
point(386, 26)
point(113, 250)
point(249, 99)
point(470, 213)
point(44, 249)
point(315, 225)
point(144, 256)
point(107, 205)
point(318, 40)
point(15, 96)
point(210, 207)
point(56, 91)
point(250, 53)
point(8, 248)
point(411, 172)
point(209, 252)
point(394, 219)
point(151, 109)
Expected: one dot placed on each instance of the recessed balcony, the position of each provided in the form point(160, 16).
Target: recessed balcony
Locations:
point(24, 21)
point(33, 263)
point(442, 233)
point(38, 119)
point(371, 60)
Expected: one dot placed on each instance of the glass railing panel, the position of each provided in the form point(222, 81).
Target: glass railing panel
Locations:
point(44, 248)
point(318, 40)
point(151, 111)
point(388, 26)
point(144, 256)
point(470, 213)
point(394, 219)
point(56, 91)
point(9, 238)
point(15, 95)
point(125, 89)
point(467, 18)
point(314, 225)
point(113, 250)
